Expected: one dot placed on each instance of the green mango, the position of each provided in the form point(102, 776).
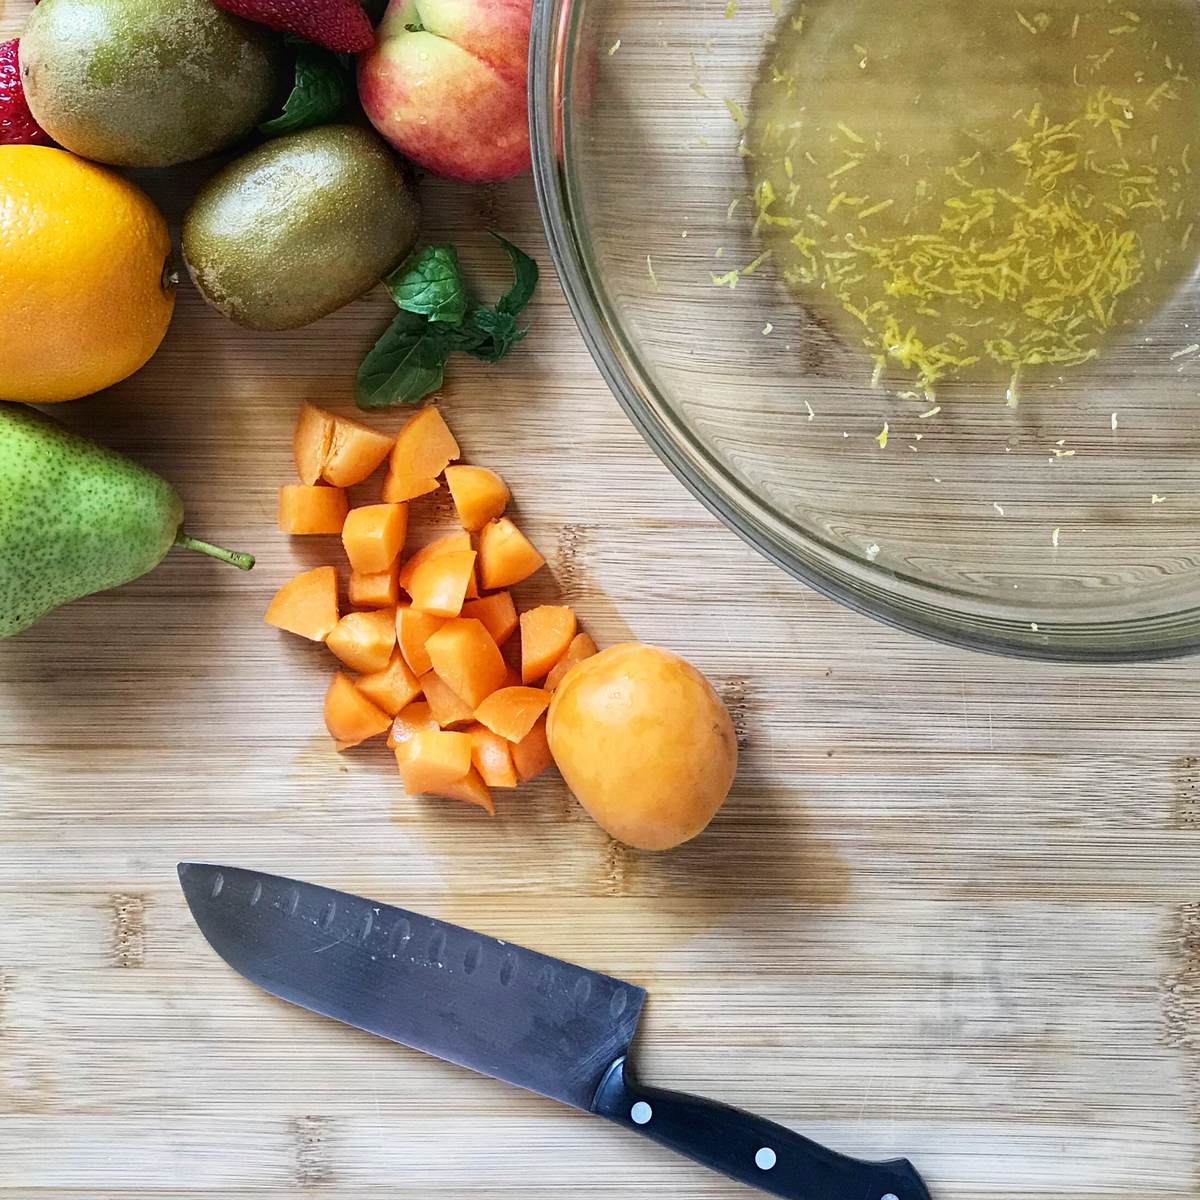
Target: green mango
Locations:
point(76, 518)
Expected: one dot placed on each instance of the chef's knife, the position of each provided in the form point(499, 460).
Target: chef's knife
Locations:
point(519, 1016)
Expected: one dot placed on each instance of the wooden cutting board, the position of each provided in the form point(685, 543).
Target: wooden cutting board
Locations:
point(951, 910)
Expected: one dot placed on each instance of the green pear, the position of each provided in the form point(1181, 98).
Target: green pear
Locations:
point(76, 518)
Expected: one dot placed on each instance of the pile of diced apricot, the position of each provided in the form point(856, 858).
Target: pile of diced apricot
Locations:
point(424, 633)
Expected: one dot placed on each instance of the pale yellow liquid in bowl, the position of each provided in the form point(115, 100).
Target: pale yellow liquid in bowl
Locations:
point(977, 190)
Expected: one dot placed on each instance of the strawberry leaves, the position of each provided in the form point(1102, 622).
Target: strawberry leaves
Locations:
point(320, 93)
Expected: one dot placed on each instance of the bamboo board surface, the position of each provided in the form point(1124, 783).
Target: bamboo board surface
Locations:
point(952, 909)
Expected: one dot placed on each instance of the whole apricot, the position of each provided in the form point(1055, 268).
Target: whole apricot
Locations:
point(644, 743)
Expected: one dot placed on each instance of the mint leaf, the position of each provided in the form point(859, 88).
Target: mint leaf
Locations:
point(320, 92)
point(431, 283)
point(488, 334)
point(435, 319)
point(405, 365)
point(525, 279)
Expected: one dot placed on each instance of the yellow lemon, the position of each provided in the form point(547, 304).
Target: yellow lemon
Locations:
point(86, 288)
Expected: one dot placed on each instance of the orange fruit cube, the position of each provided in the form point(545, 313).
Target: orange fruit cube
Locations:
point(413, 630)
point(440, 585)
point(349, 716)
point(364, 641)
point(431, 759)
point(311, 441)
point(498, 614)
point(423, 450)
point(393, 689)
point(472, 789)
point(306, 605)
point(373, 536)
point(506, 556)
point(379, 590)
point(467, 660)
point(479, 495)
point(512, 712)
point(582, 647)
point(354, 452)
point(531, 755)
point(492, 757)
point(449, 709)
point(311, 510)
point(546, 634)
point(412, 719)
point(449, 543)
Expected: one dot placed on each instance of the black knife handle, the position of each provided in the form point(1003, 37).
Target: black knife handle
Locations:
point(748, 1148)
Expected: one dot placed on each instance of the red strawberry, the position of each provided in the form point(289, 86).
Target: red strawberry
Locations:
point(339, 25)
point(17, 126)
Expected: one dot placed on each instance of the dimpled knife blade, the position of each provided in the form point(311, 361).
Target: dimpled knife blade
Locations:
point(495, 1008)
point(519, 1016)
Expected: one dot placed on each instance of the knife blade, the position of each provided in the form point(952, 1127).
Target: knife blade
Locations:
point(504, 1011)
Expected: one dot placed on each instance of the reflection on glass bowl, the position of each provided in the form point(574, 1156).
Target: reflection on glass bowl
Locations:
point(1065, 526)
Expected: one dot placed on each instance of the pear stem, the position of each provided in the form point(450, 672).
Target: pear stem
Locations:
point(235, 558)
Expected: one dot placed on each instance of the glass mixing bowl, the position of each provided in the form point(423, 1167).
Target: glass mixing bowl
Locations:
point(1065, 527)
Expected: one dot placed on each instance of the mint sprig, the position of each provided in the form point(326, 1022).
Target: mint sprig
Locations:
point(436, 319)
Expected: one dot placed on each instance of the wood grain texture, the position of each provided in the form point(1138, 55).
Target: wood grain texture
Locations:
point(951, 909)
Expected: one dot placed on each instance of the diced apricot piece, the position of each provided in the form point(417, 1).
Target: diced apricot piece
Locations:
point(512, 711)
point(306, 605)
point(531, 755)
point(492, 757)
point(364, 641)
point(311, 510)
point(434, 758)
point(349, 716)
point(440, 585)
point(498, 614)
point(413, 630)
point(410, 720)
point(311, 441)
point(506, 556)
point(448, 707)
point(423, 449)
point(472, 789)
point(546, 634)
point(355, 450)
point(374, 536)
point(379, 590)
point(395, 492)
point(449, 543)
point(467, 660)
point(581, 647)
point(392, 689)
point(479, 495)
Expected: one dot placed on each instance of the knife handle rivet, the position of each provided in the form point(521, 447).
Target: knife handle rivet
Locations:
point(890, 1196)
point(641, 1113)
point(765, 1159)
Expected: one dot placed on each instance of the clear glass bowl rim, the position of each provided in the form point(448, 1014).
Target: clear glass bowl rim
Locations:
point(552, 43)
